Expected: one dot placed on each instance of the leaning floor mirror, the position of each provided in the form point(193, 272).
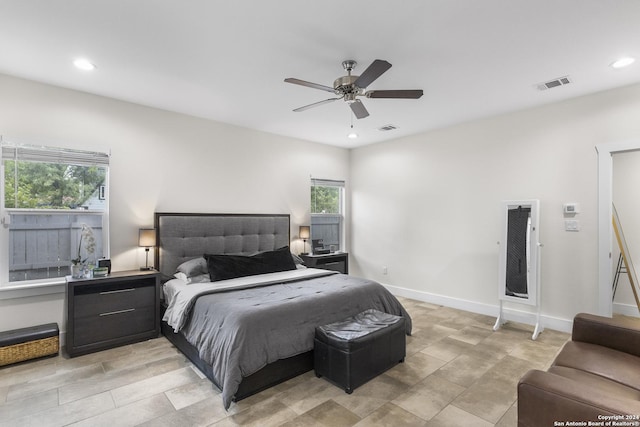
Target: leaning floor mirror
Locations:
point(519, 266)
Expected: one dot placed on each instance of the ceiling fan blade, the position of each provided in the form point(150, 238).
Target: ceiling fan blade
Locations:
point(309, 84)
point(405, 94)
point(359, 109)
point(316, 104)
point(375, 70)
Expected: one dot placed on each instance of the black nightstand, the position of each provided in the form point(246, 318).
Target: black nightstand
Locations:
point(106, 312)
point(338, 261)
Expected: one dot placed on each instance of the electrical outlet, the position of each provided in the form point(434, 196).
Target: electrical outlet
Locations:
point(384, 270)
point(571, 225)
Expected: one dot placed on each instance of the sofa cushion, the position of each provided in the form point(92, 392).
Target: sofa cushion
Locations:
point(601, 361)
point(596, 382)
point(619, 333)
point(545, 398)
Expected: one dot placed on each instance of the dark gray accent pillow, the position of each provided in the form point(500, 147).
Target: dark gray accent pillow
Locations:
point(222, 267)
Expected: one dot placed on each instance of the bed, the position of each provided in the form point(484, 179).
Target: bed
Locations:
point(249, 333)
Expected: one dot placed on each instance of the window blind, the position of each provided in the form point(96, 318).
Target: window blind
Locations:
point(315, 182)
point(34, 153)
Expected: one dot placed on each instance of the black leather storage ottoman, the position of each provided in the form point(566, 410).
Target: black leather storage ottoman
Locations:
point(353, 351)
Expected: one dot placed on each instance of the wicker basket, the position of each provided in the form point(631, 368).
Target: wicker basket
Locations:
point(31, 349)
point(28, 350)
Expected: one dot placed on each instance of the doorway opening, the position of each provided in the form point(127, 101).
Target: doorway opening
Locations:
point(605, 213)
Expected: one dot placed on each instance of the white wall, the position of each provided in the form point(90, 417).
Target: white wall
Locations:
point(437, 202)
point(626, 198)
point(427, 207)
point(161, 161)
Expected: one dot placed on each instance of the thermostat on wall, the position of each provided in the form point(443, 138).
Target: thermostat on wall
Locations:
point(571, 208)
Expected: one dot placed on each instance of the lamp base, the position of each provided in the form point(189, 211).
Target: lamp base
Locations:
point(304, 253)
point(146, 268)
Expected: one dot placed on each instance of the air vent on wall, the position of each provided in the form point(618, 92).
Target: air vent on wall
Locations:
point(387, 128)
point(560, 81)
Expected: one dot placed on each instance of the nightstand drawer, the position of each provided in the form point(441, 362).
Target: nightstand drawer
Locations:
point(338, 261)
point(106, 299)
point(97, 328)
point(105, 312)
point(332, 265)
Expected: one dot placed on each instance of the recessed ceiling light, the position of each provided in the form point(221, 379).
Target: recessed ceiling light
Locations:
point(84, 64)
point(623, 62)
point(352, 135)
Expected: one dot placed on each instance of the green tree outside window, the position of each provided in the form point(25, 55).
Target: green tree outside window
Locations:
point(325, 200)
point(50, 185)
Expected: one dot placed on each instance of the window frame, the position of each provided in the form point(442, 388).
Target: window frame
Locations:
point(341, 185)
point(47, 154)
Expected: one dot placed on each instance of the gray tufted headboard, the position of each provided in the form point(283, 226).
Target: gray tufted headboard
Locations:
point(182, 236)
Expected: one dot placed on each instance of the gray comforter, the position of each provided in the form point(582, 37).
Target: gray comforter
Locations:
point(239, 332)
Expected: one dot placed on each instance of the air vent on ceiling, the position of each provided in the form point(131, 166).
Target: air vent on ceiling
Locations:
point(386, 128)
point(560, 81)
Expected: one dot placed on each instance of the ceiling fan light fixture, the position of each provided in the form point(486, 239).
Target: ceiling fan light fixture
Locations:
point(352, 135)
point(350, 97)
point(622, 62)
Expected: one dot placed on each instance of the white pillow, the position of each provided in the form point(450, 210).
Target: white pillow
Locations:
point(194, 279)
point(193, 267)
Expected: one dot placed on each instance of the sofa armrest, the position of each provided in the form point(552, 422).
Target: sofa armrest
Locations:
point(545, 398)
point(622, 334)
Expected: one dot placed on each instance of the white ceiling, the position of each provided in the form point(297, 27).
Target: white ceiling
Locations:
point(226, 60)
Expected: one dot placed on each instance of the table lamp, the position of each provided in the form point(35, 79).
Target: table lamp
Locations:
point(146, 239)
point(304, 233)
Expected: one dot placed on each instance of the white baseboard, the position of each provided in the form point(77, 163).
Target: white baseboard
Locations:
point(626, 309)
point(510, 314)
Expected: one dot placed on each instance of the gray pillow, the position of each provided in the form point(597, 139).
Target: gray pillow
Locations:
point(193, 267)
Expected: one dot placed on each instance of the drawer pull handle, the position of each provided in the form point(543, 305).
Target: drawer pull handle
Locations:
point(333, 263)
point(118, 291)
point(110, 313)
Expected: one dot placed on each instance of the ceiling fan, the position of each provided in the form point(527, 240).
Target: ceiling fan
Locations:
point(349, 87)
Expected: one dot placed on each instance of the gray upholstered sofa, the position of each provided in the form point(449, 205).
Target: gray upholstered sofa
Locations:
point(595, 377)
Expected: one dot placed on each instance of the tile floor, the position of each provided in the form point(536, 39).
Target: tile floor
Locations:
point(458, 372)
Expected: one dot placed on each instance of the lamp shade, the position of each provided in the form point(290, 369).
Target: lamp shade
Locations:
point(147, 237)
point(304, 231)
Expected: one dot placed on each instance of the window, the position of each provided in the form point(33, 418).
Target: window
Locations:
point(327, 213)
point(49, 197)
